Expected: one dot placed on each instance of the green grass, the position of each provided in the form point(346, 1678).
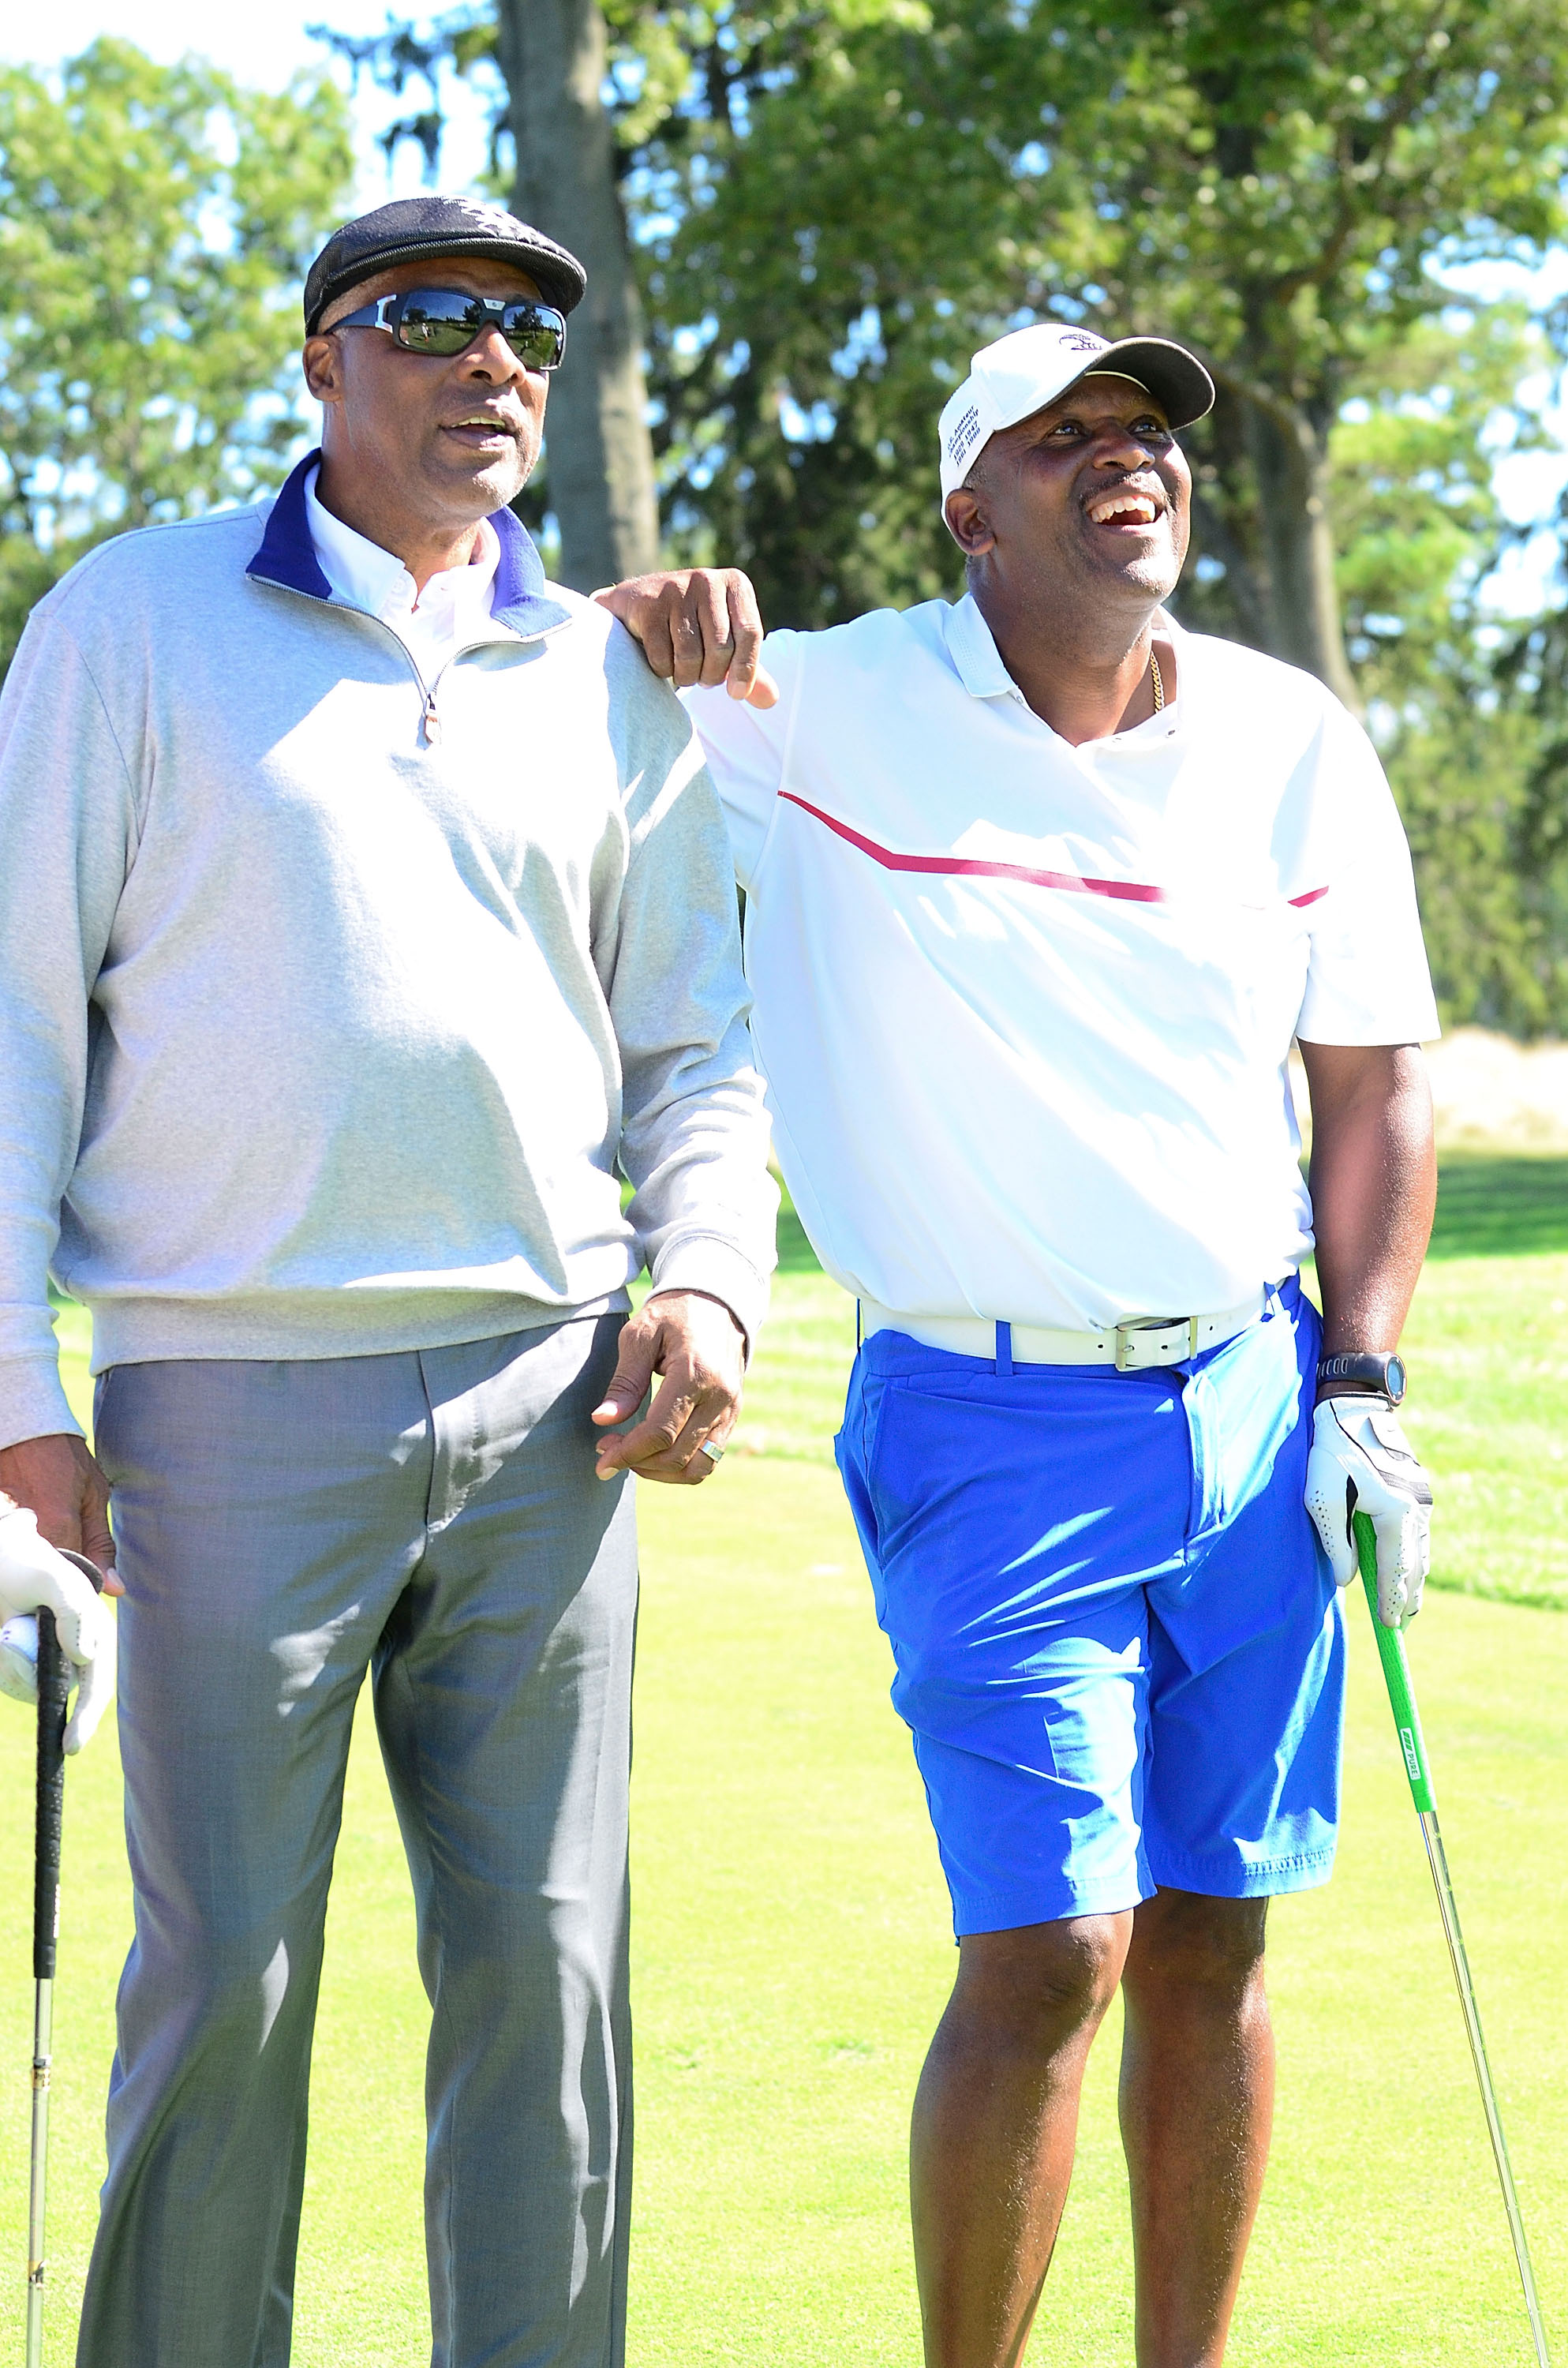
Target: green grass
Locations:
point(1490, 1205)
point(1488, 1351)
point(792, 1944)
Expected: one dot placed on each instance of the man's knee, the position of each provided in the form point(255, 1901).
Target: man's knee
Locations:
point(1183, 1940)
point(1042, 1982)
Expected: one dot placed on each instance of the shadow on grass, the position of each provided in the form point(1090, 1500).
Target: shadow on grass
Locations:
point(1494, 1205)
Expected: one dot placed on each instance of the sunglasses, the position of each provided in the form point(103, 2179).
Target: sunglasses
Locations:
point(446, 321)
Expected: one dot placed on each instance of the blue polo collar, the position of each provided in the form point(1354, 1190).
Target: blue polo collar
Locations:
point(287, 556)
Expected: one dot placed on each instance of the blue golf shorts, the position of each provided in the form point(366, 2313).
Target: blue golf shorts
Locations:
point(1118, 1643)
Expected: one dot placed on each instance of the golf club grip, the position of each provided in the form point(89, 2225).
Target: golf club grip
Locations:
point(1396, 1672)
point(53, 1687)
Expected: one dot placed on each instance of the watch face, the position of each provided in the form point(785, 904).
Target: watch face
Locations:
point(1396, 1378)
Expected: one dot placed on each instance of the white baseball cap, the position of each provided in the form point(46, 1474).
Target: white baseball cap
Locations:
point(1021, 373)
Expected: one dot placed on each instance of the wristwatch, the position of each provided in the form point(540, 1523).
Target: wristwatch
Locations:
point(1365, 1369)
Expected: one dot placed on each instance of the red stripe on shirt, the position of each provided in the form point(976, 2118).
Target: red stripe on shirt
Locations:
point(971, 868)
point(974, 868)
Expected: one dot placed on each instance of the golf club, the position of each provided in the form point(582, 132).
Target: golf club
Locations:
point(53, 1686)
point(1407, 1721)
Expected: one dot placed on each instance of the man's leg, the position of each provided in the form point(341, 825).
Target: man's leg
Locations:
point(267, 1517)
point(503, 1694)
point(995, 2121)
point(1011, 1522)
point(1246, 1671)
point(1196, 2107)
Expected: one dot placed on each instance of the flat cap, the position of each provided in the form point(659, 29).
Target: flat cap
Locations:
point(412, 227)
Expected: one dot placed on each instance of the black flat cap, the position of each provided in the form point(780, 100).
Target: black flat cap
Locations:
point(412, 227)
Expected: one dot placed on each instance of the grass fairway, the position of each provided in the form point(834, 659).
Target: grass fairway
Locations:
point(791, 1944)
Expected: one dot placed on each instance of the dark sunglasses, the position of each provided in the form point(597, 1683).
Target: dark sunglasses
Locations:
point(446, 321)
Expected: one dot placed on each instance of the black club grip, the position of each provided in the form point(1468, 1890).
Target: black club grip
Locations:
point(53, 1688)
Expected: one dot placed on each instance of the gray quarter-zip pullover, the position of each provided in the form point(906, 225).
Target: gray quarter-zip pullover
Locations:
point(331, 999)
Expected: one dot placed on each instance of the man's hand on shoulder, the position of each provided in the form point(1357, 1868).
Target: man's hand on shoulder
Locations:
point(698, 1349)
point(697, 625)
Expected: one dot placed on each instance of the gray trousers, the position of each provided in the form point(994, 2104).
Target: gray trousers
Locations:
point(433, 1517)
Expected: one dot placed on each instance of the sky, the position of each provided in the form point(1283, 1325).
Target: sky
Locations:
point(265, 42)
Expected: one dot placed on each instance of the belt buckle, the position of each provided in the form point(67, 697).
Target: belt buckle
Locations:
point(1127, 1336)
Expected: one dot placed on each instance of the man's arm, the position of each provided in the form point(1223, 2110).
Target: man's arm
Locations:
point(694, 1130)
point(67, 827)
point(745, 715)
point(697, 626)
point(1374, 1187)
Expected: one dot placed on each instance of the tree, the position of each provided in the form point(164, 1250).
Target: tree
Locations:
point(1275, 186)
point(552, 60)
point(555, 56)
point(587, 94)
point(155, 224)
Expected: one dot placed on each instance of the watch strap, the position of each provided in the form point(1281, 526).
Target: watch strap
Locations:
point(1365, 1368)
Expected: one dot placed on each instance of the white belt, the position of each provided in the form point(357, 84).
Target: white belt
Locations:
point(1137, 1341)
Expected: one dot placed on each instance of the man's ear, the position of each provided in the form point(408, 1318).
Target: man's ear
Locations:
point(321, 362)
point(964, 511)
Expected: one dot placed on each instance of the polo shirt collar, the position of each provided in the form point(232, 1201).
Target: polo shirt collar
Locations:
point(521, 597)
point(359, 570)
point(287, 551)
point(287, 556)
point(974, 653)
point(978, 662)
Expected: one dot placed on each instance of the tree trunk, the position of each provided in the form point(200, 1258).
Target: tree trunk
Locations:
point(599, 451)
point(1290, 466)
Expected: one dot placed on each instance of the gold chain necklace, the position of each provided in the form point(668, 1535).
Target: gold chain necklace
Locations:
point(1159, 686)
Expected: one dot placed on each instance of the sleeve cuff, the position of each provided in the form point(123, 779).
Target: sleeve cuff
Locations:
point(1324, 1022)
point(33, 1404)
point(704, 1262)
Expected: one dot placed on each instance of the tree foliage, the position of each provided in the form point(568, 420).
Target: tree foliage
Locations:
point(155, 224)
point(1419, 526)
point(1272, 186)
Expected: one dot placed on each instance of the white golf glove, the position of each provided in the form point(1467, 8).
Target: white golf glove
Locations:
point(1361, 1461)
point(33, 1575)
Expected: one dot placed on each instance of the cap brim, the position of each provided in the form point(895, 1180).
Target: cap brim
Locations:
point(557, 284)
point(1176, 379)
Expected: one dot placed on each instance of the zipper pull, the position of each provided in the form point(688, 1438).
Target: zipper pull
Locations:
point(432, 721)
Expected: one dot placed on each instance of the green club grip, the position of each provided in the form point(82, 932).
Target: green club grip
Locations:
point(1396, 1672)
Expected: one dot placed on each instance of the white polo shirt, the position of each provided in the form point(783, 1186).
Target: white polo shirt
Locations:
point(1024, 1009)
